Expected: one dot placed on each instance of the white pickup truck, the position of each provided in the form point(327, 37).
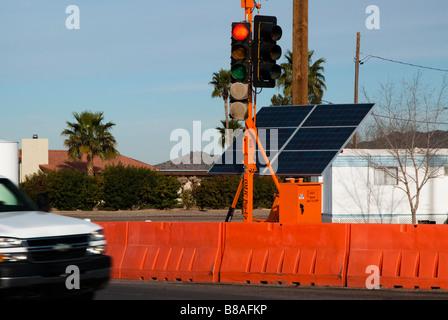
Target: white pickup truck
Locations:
point(45, 255)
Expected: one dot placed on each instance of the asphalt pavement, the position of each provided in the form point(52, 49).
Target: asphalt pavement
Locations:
point(119, 289)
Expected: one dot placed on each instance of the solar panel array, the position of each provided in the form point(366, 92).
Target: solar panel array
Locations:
point(299, 140)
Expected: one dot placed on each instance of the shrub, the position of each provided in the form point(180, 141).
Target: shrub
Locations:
point(34, 185)
point(218, 192)
point(264, 191)
point(67, 189)
point(117, 187)
point(188, 199)
point(132, 187)
point(121, 187)
point(71, 190)
point(166, 192)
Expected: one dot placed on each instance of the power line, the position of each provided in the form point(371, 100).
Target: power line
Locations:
point(368, 57)
point(401, 119)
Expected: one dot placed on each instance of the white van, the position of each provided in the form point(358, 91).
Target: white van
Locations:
point(45, 255)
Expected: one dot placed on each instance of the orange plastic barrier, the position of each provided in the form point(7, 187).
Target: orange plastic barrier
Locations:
point(116, 235)
point(405, 256)
point(305, 254)
point(173, 251)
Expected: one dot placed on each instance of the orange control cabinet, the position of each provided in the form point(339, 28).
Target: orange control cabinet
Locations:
point(300, 202)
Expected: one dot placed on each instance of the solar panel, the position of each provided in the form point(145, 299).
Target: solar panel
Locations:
point(299, 140)
point(281, 117)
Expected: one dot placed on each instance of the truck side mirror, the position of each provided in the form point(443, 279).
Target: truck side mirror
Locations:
point(43, 204)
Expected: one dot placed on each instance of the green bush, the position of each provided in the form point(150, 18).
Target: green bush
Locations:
point(132, 187)
point(166, 192)
point(35, 184)
point(71, 190)
point(117, 187)
point(120, 188)
point(218, 192)
point(264, 191)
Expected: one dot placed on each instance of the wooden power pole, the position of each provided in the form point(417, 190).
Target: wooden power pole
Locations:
point(300, 53)
point(358, 44)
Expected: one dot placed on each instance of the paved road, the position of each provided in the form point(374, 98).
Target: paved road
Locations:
point(165, 290)
point(179, 300)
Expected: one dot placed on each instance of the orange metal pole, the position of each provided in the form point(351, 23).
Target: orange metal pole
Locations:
point(248, 176)
point(248, 142)
point(235, 200)
point(268, 163)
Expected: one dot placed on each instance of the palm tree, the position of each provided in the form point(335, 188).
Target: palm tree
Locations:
point(90, 137)
point(285, 79)
point(221, 89)
point(233, 125)
point(316, 81)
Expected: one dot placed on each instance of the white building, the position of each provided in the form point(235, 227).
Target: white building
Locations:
point(9, 160)
point(356, 189)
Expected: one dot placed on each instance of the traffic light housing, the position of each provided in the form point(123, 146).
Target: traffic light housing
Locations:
point(266, 52)
point(240, 70)
point(241, 52)
point(239, 100)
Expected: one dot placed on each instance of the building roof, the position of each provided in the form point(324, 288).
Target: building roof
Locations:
point(58, 159)
point(194, 163)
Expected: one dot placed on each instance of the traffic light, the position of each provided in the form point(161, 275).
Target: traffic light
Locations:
point(266, 51)
point(241, 45)
point(240, 70)
point(239, 100)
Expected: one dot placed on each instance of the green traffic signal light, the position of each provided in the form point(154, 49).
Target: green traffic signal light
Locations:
point(239, 72)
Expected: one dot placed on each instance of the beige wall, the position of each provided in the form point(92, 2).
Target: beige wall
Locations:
point(34, 153)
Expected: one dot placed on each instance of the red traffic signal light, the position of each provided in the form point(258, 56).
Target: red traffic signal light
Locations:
point(240, 54)
point(240, 32)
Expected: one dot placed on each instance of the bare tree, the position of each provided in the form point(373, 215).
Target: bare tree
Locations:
point(407, 122)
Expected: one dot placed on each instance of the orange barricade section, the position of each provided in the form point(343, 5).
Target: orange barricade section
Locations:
point(353, 255)
point(174, 251)
point(405, 256)
point(116, 235)
point(305, 254)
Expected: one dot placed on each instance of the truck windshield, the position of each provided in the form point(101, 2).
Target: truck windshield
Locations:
point(12, 199)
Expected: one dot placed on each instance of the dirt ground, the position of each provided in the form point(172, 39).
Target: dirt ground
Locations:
point(162, 215)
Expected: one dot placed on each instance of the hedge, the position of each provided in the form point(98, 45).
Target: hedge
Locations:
point(218, 192)
point(120, 188)
point(116, 187)
point(132, 187)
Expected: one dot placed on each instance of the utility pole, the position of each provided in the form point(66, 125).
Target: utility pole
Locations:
point(300, 52)
point(358, 43)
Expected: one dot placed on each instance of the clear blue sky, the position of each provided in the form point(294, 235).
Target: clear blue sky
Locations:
point(147, 63)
